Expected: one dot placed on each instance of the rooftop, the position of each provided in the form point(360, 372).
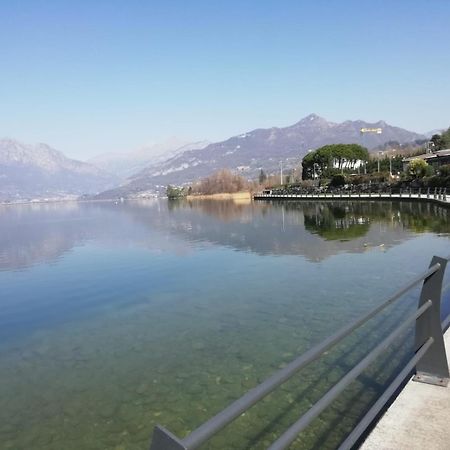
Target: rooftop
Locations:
point(432, 155)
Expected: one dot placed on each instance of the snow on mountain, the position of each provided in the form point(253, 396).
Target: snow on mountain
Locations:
point(126, 164)
point(261, 148)
point(36, 171)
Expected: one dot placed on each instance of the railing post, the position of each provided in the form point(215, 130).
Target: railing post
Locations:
point(433, 367)
point(165, 440)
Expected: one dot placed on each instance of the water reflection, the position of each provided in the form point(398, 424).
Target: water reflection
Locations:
point(122, 316)
point(315, 230)
point(35, 234)
point(336, 222)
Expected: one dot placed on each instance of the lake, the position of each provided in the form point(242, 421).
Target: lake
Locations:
point(116, 317)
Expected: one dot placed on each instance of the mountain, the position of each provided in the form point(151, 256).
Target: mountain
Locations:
point(261, 148)
point(124, 165)
point(37, 171)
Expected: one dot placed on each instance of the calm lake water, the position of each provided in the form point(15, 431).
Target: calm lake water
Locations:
point(115, 317)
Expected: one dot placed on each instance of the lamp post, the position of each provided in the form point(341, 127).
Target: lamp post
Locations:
point(281, 172)
point(379, 155)
point(390, 162)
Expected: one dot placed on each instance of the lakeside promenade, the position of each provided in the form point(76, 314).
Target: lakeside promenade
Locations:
point(442, 199)
point(419, 418)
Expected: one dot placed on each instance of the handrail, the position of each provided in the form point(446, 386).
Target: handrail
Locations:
point(292, 193)
point(355, 189)
point(289, 436)
point(432, 287)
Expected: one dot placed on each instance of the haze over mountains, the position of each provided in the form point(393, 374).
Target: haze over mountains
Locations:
point(260, 148)
point(126, 164)
point(39, 171)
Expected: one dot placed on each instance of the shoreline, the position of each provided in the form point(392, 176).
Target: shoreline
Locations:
point(222, 196)
point(248, 197)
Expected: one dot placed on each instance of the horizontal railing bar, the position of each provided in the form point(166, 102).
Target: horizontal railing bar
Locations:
point(291, 434)
point(235, 409)
point(387, 394)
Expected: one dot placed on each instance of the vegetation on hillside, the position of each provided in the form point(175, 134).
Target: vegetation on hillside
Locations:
point(337, 166)
point(441, 141)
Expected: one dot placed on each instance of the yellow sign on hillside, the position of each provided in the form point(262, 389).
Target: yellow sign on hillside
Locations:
point(371, 130)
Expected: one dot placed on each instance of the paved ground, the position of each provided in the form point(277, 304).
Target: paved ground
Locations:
point(419, 419)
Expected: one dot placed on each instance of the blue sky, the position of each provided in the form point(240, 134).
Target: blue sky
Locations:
point(89, 77)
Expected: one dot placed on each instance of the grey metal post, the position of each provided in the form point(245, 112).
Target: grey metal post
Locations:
point(165, 440)
point(433, 367)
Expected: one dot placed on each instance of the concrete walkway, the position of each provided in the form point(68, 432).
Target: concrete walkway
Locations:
point(419, 419)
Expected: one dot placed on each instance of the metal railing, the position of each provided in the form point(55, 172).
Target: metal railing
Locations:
point(434, 194)
point(430, 364)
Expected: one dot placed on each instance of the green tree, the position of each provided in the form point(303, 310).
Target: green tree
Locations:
point(441, 141)
point(417, 168)
point(337, 180)
point(344, 156)
point(173, 192)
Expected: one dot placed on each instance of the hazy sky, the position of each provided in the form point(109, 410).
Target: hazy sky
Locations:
point(89, 77)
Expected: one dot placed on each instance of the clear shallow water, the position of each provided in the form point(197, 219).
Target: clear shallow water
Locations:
point(116, 317)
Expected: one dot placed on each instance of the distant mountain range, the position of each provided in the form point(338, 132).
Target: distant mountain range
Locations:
point(261, 148)
point(37, 171)
point(124, 165)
